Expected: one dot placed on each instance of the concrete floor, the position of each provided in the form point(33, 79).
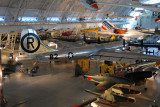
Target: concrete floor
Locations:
point(56, 86)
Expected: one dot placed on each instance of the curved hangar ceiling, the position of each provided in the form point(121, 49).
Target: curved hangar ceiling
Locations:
point(11, 10)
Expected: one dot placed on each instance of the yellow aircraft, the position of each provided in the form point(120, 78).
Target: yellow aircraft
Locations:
point(89, 30)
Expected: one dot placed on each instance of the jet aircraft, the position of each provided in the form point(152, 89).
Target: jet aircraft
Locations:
point(91, 4)
point(111, 15)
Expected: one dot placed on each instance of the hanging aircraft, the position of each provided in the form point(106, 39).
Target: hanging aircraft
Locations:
point(37, 50)
point(151, 7)
point(120, 16)
point(111, 15)
point(91, 4)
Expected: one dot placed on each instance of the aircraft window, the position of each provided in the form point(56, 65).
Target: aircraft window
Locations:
point(91, 2)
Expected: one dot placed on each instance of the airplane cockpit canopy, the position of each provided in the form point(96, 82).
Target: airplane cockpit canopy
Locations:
point(90, 2)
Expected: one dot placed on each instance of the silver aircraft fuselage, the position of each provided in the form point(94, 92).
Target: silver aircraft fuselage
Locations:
point(73, 53)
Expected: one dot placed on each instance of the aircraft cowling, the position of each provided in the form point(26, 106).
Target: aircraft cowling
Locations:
point(120, 31)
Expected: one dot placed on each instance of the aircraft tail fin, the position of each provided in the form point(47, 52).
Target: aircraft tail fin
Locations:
point(106, 25)
point(31, 43)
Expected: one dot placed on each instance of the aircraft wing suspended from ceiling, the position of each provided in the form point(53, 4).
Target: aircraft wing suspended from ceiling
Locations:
point(121, 16)
point(145, 6)
point(89, 4)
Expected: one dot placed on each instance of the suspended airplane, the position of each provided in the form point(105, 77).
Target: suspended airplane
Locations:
point(111, 15)
point(37, 50)
point(90, 4)
point(151, 7)
point(120, 16)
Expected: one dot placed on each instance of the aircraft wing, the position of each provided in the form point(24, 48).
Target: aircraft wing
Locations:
point(145, 6)
point(122, 56)
point(101, 87)
point(66, 44)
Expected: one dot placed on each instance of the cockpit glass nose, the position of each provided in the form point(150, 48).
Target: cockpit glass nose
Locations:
point(90, 1)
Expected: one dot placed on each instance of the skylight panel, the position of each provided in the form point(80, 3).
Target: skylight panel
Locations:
point(152, 1)
point(28, 19)
point(53, 19)
point(2, 19)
